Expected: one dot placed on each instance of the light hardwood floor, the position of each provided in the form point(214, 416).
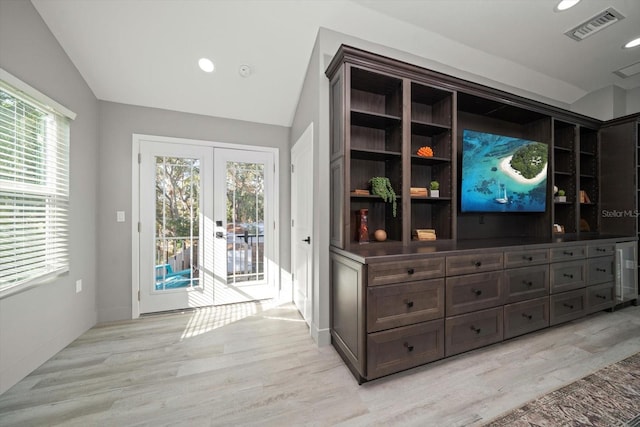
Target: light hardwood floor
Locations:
point(255, 364)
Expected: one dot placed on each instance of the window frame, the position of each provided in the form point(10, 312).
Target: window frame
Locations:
point(52, 194)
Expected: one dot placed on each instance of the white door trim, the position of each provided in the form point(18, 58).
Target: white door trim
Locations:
point(135, 203)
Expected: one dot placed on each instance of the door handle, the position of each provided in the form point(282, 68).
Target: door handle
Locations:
point(219, 235)
point(308, 240)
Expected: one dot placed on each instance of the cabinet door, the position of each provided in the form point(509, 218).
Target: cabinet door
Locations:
point(476, 263)
point(524, 317)
point(524, 258)
point(618, 184)
point(568, 275)
point(404, 304)
point(601, 270)
point(600, 297)
point(473, 330)
point(526, 283)
point(567, 306)
point(599, 250)
point(473, 292)
point(383, 273)
point(568, 253)
point(403, 348)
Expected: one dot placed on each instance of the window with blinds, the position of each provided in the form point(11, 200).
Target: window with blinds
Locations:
point(34, 190)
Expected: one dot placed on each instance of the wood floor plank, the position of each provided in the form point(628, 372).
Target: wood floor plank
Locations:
point(255, 364)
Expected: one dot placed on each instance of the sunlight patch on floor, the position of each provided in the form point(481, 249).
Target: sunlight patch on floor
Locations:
point(207, 319)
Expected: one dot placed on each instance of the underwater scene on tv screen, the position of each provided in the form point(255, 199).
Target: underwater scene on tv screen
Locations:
point(502, 174)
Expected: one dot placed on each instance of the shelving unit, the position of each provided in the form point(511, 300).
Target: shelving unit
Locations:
point(589, 190)
point(374, 148)
point(491, 275)
point(383, 111)
point(388, 118)
point(431, 125)
point(564, 175)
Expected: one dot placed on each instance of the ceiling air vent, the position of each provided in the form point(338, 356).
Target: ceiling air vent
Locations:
point(595, 24)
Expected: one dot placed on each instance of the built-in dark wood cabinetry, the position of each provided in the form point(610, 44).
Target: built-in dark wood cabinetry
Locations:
point(383, 111)
point(402, 302)
point(620, 176)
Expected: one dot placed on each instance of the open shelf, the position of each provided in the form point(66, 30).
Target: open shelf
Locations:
point(384, 112)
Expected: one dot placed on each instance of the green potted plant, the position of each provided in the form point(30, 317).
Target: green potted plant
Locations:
point(434, 186)
point(381, 186)
point(561, 197)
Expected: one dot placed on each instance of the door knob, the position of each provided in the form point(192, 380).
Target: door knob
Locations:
point(308, 240)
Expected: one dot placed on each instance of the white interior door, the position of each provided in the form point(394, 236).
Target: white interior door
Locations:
point(244, 218)
point(302, 223)
point(176, 207)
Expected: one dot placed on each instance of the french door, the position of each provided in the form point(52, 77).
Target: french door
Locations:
point(206, 226)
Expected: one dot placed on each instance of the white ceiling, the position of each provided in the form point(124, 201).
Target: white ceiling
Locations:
point(145, 52)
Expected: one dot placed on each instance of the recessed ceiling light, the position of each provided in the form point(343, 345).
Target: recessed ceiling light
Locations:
point(206, 65)
point(633, 43)
point(566, 4)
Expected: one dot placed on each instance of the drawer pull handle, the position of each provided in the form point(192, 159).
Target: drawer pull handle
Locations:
point(601, 296)
point(478, 263)
point(601, 250)
point(409, 347)
point(569, 306)
point(527, 258)
point(476, 330)
point(527, 283)
point(568, 253)
point(478, 292)
point(410, 271)
point(601, 270)
point(570, 276)
point(527, 316)
point(409, 304)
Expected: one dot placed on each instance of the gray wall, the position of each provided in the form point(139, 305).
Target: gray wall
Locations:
point(608, 103)
point(633, 101)
point(37, 323)
point(308, 112)
point(118, 122)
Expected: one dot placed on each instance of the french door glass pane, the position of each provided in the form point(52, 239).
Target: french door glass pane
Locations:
point(177, 223)
point(245, 223)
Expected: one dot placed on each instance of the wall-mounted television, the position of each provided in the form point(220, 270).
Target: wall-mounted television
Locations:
point(502, 174)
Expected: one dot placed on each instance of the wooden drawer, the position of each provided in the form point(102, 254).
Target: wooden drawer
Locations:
point(383, 273)
point(525, 317)
point(403, 348)
point(473, 292)
point(525, 258)
point(601, 270)
point(600, 297)
point(601, 250)
point(404, 304)
point(526, 283)
point(473, 330)
point(568, 275)
point(465, 264)
point(568, 253)
point(567, 306)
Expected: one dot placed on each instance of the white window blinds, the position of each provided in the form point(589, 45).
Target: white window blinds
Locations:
point(34, 190)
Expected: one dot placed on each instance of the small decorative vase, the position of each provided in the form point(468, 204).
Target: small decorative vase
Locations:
point(434, 193)
point(363, 226)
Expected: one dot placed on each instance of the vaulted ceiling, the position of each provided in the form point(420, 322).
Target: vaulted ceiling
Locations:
point(145, 52)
